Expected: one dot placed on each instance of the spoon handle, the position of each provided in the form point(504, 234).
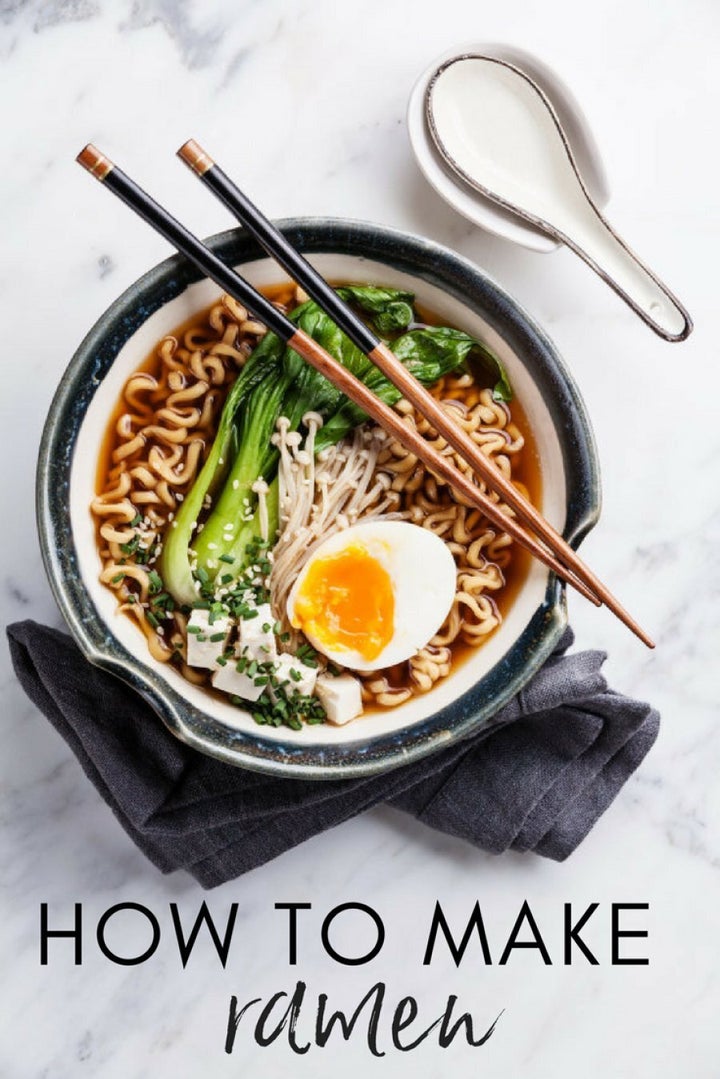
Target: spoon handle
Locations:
point(595, 240)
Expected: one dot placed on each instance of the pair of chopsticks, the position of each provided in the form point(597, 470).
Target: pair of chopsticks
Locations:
point(529, 528)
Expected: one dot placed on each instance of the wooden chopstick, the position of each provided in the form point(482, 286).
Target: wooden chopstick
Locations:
point(188, 244)
point(138, 200)
point(200, 162)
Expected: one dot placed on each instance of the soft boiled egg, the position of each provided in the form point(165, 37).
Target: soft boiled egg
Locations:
point(372, 595)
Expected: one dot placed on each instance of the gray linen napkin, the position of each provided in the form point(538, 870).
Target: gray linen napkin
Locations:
point(537, 778)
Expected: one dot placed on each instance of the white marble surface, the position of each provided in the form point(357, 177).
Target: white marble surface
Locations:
point(305, 102)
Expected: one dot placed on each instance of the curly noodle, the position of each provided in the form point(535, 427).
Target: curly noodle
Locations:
point(481, 553)
point(164, 427)
point(160, 437)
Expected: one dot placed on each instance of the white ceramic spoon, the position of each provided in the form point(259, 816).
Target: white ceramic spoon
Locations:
point(467, 200)
point(496, 128)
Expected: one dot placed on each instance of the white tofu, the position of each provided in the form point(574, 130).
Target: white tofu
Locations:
point(304, 685)
point(340, 696)
point(229, 680)
point(201, 651)
point(257, 643)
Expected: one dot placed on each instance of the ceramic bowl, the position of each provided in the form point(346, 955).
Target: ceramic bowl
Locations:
point(164, 298)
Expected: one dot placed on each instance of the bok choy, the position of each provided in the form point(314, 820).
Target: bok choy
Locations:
point(277, 382)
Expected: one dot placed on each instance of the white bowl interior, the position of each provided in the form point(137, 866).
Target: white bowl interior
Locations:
point(266, 272)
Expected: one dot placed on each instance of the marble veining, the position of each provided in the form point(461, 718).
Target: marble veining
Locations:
point(197, 45)
point(304, 104)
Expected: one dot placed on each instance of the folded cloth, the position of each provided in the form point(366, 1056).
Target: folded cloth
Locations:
point(536, 778)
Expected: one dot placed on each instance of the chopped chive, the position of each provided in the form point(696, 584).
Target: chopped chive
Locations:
point(155, 581)
point(131, 546)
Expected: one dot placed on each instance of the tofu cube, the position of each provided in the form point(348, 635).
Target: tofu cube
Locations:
point(303, 681)
point(340, 696)
point(228, 680)
point(201, 650)
point(255, 641)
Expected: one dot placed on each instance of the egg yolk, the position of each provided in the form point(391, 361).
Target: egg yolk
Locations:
point(346, 603)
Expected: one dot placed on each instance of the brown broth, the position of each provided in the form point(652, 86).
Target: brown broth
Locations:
point(283, 294)
point(527, 471)
point(526, 468)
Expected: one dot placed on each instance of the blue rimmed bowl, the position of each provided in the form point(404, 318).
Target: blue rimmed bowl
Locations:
point(167, 296)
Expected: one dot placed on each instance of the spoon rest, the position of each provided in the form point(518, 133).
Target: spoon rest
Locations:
point(466, 199)
point(495, 127)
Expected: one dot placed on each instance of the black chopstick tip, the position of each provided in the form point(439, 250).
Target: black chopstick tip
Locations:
point(95, 162)
point(195, 157)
